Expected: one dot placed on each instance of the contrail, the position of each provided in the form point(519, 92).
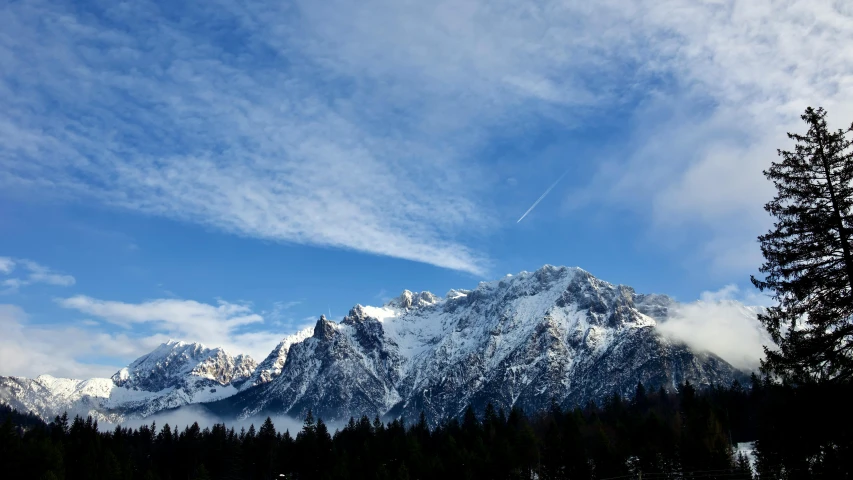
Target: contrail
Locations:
point(541, 197)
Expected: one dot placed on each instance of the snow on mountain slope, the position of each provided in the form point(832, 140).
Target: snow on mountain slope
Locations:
point(555, 333)
point(271, 366)
point(173, 375)
point(186, 364)
point(48, 396)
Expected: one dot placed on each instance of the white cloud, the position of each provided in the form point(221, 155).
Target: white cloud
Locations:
point(720, 323)
point(34, 273)
point(41, 274)
point(6, 265)
point(725, 293)
point(64, 350)
point(751, 297)
point(220, 325)
point(12, 284)
point(28, 349)
point(280, 309)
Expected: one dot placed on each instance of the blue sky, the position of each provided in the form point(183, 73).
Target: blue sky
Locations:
point(227, 171)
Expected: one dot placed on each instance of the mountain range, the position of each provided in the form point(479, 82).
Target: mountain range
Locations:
point(556, 334)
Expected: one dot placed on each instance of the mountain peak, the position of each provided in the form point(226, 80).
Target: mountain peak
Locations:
point(411, 300)
point(176, 361)
point(324, 329)
point(173, 344)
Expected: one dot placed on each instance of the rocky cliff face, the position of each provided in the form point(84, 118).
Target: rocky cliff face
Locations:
point(555, 333)
point(272, 365)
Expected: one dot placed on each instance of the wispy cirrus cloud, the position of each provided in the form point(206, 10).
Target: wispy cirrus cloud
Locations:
point(29, 272)
point(280, 312)
point(361, 125)
point(128, 106)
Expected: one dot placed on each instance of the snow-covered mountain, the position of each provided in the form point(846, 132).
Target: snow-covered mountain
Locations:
point(173, 375)
point(555, 333)
point(187, 366)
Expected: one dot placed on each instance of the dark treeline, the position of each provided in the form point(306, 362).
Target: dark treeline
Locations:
point(799, 434)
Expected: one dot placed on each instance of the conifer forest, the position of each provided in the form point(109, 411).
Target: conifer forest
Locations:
point(798, 433)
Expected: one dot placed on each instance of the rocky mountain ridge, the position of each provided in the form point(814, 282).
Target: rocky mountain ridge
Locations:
point(557, 333)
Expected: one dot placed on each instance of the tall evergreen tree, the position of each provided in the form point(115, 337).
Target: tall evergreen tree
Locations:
point(809, 257)
point(743, 467)
point(201, 473)
point(267, 431)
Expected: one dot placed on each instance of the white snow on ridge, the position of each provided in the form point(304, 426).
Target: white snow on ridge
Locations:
point(501, 315)
point(67, 388)
point(419, 331)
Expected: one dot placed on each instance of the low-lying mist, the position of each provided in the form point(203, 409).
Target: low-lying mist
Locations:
point(186, 416)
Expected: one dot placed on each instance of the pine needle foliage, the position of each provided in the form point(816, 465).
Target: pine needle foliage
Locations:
point(809, 258)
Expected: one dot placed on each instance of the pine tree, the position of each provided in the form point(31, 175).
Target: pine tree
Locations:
point(267, 442)
point(403, 473)
point(201, 473)
point(267, 431)
point(309, 426)
point(324, 442)
point(62, 422)
point(470, 423)
point(743, 467)
point(641, 400)
point(165, 435)
point(809, 258)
